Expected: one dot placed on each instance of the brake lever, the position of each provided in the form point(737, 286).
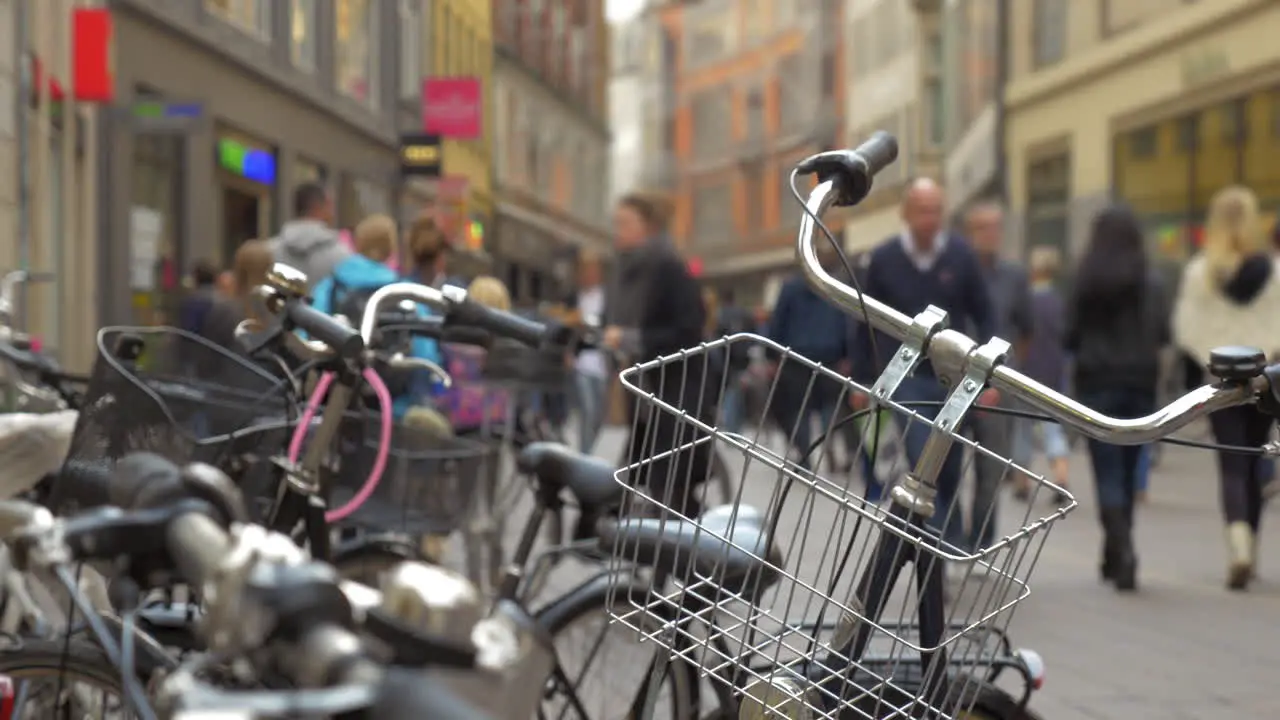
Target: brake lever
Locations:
point(402, 361)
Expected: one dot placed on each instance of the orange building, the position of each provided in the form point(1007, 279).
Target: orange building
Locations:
point(758, 86)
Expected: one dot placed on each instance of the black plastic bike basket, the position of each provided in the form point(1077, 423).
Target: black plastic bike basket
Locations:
point(169, 392)
point(427, 486)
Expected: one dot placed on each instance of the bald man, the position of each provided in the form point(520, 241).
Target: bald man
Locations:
point(919, 266)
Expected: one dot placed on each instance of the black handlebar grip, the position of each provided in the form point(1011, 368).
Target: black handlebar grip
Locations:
point(851, 171)
point(499, 322)
point(408, 694)
point(878, 152)
point(345, 341)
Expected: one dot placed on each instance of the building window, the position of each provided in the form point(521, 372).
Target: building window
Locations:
point(1050, 32)
point(712, 116)
point(712, 215)
point(1144, 143)
point(789, 209)
point(752, 198)
point(1188, 129)
point(252, 16)
point(302, 33)
point(355, 60)
point(796, 99)
point(1048, 201)
point(411, 37)
point(709, 38)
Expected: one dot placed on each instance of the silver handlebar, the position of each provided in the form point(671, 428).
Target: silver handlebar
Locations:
point(949, 351)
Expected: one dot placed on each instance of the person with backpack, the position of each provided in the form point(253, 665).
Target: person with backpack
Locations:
point(732, 319)
point(347, 291)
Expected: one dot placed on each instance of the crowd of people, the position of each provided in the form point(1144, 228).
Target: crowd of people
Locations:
point(1105, 340)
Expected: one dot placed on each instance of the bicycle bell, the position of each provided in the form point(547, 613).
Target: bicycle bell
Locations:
point(776, 698)
point(287, 279)
point(432, 599)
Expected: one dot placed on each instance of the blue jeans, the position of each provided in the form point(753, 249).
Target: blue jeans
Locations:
point(732, 405)
point(1116, 468)
point(1144, 468)
point(589, 392)
point(925, 396)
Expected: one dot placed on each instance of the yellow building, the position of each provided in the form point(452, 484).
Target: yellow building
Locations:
point(1158, 103)
point(461, 33)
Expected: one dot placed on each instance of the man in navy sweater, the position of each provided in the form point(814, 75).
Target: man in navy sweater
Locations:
point(816, 330)
point(920, 266)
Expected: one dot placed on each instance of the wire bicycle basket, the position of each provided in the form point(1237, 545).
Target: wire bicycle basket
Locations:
point(428, 486)
point(169, 392)
point(792, 595)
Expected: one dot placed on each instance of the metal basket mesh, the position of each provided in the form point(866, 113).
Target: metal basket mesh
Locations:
point(168, 392)
point(428, 486)
point(763, 594)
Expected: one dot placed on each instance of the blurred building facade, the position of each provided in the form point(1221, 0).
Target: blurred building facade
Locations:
point(895, 63)
point(757, 85)
point(49, 178)
point(550, 96)
point(971, 99)
point(1158, 103)
point(637, 95)
point(223, 109)
point(453, 54)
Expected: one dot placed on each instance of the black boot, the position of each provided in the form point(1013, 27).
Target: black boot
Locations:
point(1107, 567)
point(1121, 564)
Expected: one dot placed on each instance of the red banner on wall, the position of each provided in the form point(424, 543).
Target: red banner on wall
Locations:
point(91, 76)
point(453, 107)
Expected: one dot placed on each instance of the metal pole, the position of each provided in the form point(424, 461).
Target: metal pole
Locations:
point(23, 101)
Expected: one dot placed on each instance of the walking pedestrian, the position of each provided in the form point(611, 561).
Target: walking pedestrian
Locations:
point(249, 268)
point(429, 251)
point(816, 330)
point(309, 242)
point(920, 266)
point(347, 292)
point(654, 308)
point(1229, 295)
point(732, 319)
point(590, 365)
point(1011, 310)
point(1118, 322)
point(1044, 360)
point(204, 292)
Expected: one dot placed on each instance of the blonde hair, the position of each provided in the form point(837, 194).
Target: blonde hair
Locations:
point(711, 306)
point(1044, 261)
point(1233, 230)
point(249, 268)
point(376, 238)
point(490, 292)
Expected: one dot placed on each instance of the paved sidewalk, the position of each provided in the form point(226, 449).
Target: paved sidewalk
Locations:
point(1182, 648)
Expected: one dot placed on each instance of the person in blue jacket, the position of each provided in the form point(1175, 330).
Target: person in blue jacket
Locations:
point(347, 291)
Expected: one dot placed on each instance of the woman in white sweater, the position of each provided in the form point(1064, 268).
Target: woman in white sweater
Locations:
point(1230, 295)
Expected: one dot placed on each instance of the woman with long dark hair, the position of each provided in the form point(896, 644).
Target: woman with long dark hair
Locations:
point(1118, 322)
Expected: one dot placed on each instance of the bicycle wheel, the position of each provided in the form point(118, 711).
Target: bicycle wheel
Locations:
point(589, 667)
point(55, 679)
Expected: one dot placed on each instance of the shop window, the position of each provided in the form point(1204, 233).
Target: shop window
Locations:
point(308, 171)
point(358, 198)
point(1048, 200)
point(1216, 157)
point(252, 16)
point(356, 62)
point(1144, 143)
point(1187, 130)
point(1260, 156)
point(1151, 169)
point(302, 33)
